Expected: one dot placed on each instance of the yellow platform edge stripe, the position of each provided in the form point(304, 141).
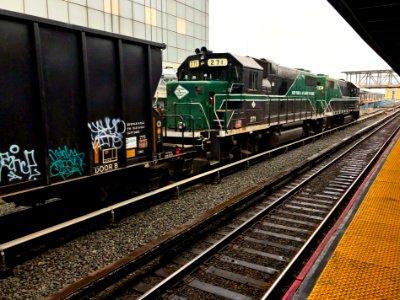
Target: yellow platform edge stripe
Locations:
point(366, 262)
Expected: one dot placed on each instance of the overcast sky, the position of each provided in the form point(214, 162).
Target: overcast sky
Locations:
point(307, 34)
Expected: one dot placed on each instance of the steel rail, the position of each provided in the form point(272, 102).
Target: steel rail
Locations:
point(278, 284)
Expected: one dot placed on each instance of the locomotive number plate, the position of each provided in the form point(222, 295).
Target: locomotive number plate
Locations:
point(194, 64)
point(217, 62)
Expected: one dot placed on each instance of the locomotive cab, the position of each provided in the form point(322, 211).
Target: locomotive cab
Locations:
point(199, 104)
point(193, 100)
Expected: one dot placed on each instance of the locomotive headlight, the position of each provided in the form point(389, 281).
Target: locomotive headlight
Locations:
point(181, 125)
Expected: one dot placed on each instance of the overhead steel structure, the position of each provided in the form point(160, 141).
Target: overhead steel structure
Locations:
point(374, 79)
point(377, 23)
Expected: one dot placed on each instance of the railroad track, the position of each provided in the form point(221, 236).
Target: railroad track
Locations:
point(254, 247)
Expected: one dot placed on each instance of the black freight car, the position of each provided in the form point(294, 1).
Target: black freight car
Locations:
point(76, 104)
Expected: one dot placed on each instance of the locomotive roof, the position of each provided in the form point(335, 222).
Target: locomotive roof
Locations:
point(247, 62)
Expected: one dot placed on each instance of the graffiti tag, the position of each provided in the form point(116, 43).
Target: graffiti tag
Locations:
point(14, 168)
point(66, 162)
point(108, 133)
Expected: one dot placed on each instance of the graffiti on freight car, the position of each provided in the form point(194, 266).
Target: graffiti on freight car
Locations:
point(13, 168)
point(107, 133)
point(66, 162)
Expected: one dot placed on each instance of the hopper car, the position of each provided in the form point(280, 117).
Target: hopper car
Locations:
point(76, 110)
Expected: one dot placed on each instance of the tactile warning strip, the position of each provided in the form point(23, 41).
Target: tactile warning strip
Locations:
point(366, 263)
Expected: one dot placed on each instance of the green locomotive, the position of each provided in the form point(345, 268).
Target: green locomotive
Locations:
point(228, 106)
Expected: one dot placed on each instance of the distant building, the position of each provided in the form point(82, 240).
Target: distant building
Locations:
point(392, 94)
point(183, 25)
point(168, 74)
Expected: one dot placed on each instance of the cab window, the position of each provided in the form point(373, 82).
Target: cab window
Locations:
point(253, 79)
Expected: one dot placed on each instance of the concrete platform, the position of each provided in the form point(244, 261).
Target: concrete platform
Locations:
point(360, 257)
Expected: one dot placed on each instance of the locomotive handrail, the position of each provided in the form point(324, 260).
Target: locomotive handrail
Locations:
point(347, 100)
point(225, 118)
point(182, 118)
point(225, 100)
point(216, 115)
point(239, 86)
point(226, 122)
point(202, 110)
point(312, 106)
point(327, 108)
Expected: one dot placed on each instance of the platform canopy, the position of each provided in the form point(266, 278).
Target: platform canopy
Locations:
point(377, 23)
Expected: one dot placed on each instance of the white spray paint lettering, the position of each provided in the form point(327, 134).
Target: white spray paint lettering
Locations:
point(16, 168)
point(108, 133)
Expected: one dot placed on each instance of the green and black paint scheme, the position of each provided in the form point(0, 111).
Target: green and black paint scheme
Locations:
point(230, 106)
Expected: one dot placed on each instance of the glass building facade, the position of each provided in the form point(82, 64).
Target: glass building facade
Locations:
point(182, 25)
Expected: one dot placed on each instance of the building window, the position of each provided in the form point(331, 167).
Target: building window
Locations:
point(180, 26)
point(138, 12)
point(111, 7)
point(150, 16)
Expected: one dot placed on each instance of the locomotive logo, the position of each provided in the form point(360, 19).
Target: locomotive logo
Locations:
point(181, 92)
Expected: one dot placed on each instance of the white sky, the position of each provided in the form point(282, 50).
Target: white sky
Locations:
point(307, 34)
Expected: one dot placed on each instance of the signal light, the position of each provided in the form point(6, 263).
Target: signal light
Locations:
point(177, 151)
